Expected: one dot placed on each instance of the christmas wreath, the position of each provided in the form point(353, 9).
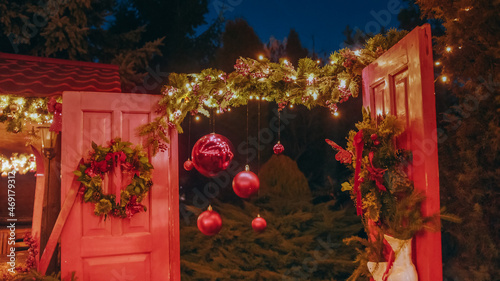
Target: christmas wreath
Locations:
point(120, 156)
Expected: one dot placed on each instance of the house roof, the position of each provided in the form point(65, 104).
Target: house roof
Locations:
point(36, 76)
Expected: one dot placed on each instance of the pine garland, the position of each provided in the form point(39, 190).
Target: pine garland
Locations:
point(309, 84)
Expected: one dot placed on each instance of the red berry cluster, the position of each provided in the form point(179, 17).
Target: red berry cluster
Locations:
point(196, 89)
point(242, 68)
point(281, 105)
point(169, 90)
point(32, 252)
point(332, 106)
point(258, 75)
point(345, 93)
point(350, 58)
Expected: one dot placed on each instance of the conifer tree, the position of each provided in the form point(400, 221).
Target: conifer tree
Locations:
point(238, 40)
point(294, 50)
point(302, 241)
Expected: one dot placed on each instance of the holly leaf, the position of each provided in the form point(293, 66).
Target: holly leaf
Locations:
point(88, 195)
point(77, 173)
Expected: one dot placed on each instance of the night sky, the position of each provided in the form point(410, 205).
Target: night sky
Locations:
point(323, 20)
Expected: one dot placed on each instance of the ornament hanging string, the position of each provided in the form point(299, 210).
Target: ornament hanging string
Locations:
point(189, 136)
point(258, 136)
point(279, 125)
point(213, 120)
point(248, 143)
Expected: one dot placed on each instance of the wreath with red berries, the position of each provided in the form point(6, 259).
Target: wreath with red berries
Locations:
point(117, 155)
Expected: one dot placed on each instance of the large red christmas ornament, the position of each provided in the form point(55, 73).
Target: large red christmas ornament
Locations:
point(212, 154)
point(209, 222)
point(259, 224)
point(246, 183)
point(278, 148)
point(188, 165)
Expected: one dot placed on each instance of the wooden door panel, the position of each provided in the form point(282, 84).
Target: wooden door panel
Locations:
point(401, 109)
point(118, 268)
point(100, 249)
point(379, 100)
point(401, 83)
point(93, 226)
point(97, 126)
point(104, 246)
point(130, 121)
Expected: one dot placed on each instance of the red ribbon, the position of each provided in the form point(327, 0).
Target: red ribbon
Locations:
point(358, 148)
point(376, 174)
point(390, 259)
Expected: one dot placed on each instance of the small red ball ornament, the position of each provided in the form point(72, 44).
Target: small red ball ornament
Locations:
point(209, 222)
point(259, 224)
point(246, 183)
point(188, 165)
point(212, 154)
point(375, 140)
point(278, 148)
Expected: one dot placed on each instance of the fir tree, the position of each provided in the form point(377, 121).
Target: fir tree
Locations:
point(302, 241)
point(238, 40)
point(294, 50)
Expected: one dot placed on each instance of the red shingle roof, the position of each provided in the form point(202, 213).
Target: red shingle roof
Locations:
point(35, 76)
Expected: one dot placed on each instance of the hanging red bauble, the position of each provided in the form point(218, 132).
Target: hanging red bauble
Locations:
point(188, 165)
point(212, 154)
point(259, 224)
point(278, 148)
point(246, 183)
point(209, 222)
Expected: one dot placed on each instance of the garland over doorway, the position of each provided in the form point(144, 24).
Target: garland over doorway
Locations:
point(310, 84)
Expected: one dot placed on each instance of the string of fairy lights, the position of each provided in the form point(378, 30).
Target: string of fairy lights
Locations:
point(19, 113)
point(21, 163)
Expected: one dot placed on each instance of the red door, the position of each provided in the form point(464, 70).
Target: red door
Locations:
point(401, 83)
point(143, 248)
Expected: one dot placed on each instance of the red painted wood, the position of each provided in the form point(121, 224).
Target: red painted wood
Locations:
point(38, 76)
point(401, 83)
point(145, 247)
point(36, 223)
point(58, 227)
